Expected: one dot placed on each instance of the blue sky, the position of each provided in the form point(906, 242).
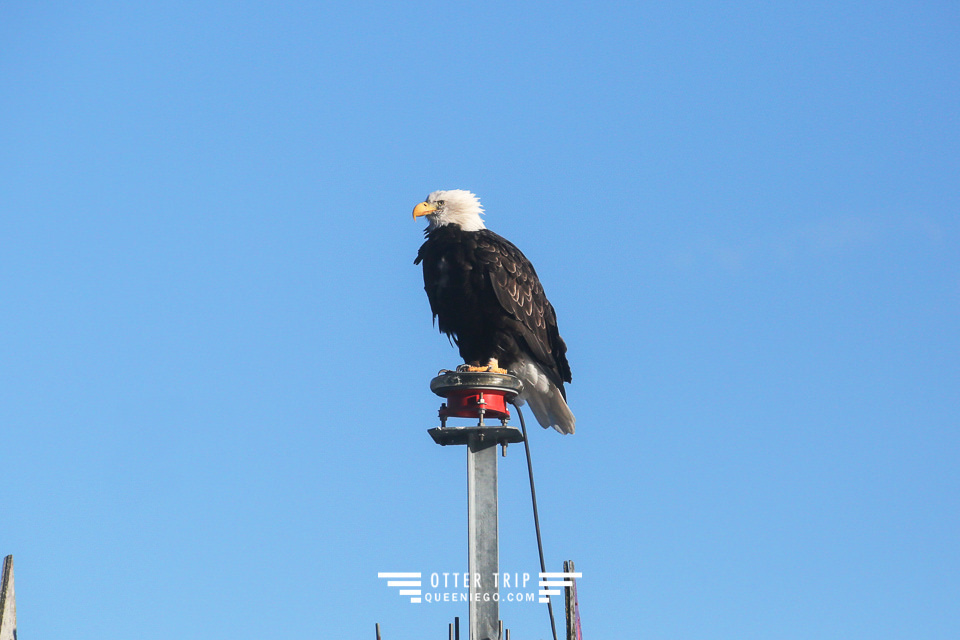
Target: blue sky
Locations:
point(216, 348)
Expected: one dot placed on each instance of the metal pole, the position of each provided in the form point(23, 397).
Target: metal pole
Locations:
point(478, 395)
point(482, 544)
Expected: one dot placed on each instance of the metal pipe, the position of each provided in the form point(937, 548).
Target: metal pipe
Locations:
point(483, 545)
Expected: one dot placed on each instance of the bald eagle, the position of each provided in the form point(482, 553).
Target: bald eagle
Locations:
point(485, 295)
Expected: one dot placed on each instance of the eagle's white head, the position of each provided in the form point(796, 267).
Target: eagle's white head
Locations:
point(455, 206)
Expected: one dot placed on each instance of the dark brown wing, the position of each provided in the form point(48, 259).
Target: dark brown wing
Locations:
point(521, 295)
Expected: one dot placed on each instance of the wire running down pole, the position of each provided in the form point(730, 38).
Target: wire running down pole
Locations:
point(536, 516)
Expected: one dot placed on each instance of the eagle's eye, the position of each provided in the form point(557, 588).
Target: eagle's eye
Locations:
point(439, 203)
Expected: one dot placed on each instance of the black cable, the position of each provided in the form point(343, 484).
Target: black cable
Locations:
point(536, 517)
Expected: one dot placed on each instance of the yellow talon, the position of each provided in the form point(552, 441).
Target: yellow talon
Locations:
point(492, 367)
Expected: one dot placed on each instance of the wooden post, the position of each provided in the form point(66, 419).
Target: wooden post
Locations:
point(568, 595)
point(8, 603)
point(570, 600)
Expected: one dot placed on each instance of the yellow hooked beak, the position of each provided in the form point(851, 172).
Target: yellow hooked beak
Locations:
point(423, 209)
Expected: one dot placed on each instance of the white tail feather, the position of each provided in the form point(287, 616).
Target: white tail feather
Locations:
point(544, 398)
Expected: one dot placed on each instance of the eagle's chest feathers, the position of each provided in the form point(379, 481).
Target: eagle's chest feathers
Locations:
point(443, 273)
point(455, 272)
point(456, 280)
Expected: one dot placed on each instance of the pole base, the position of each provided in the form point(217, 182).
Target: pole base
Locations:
point(462, 435)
